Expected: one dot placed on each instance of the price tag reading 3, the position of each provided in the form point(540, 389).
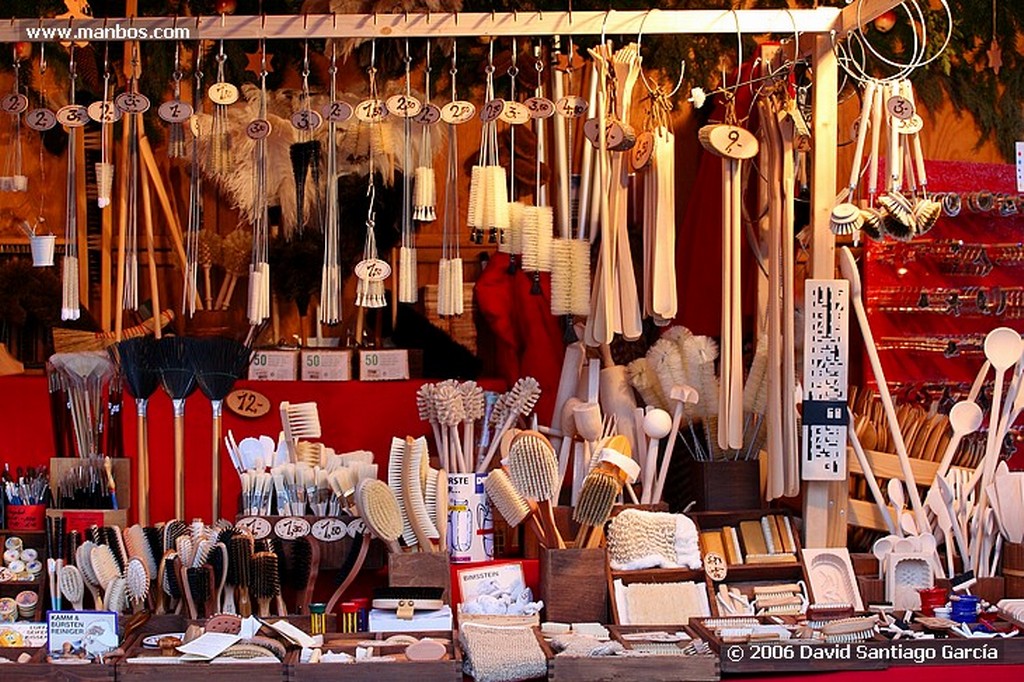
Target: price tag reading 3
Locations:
point(258, 129)
point(174, 111)
point(73, 115)
point(514, 113)
point(900, 107)
point(306, 120)
point(132, 102)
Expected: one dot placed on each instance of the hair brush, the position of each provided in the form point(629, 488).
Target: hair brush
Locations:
point(378, 506)
point(240, 553)
point(218, 562)
point(533, 470)
point(412, 492)
point(168, 581)
point(83, 559)
point(104, 565)
point(196, 589)
point(72, 586)
point(303, 571)
point(116, 596)
point(265, 583)
point(136, 577)
point(173, 530)
point(139, 548)
point(512, 506)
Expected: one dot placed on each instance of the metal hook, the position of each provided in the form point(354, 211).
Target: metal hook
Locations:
point(604, 25)
point(222, 17)
point(334, 21)
point(428, 17)
point(739, 49)
point(263, 25)
point(305, 21)
point(643, 76)
point(198, 19)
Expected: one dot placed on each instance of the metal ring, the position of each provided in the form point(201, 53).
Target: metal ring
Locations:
point(952, 204)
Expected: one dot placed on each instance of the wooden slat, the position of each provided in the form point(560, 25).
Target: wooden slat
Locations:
point(886, 466)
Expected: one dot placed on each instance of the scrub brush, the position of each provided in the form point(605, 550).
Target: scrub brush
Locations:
point(379, 508)
point(533, 470)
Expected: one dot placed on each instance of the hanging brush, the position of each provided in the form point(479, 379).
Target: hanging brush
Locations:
point(331, 281)
point(109, 114)
point(217, 364)
point(407, 286)
point(450, 299)
point(510, 240)
point(85, 375)
point(70, 295)
point(210, 251)
point(133, 104)
point(258, 308)
point(175, 112)
point(235, 256)
point(304, 154)
point(223, 95)
point(13, 180)
point(488, 187)
point(179, 382)
point(424, 191)
point(190, 288)
point(538, 226)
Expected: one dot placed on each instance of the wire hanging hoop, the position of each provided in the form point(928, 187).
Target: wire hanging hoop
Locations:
point(656, 90)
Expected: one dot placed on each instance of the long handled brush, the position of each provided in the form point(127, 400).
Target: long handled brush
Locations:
point(217, 363)
point(179, 382)
point(138, 361)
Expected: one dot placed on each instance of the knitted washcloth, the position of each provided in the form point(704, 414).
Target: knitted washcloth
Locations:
point(584, 646)
point(641, 539)
point(501, 654)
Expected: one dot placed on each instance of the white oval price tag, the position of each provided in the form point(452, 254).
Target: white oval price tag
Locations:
point(641, 153)
point(900, 107)
point(514, 113)
point(715, 567)
point(614, 134)
point(458, 112)
point(403, 106)
point(73, 115)
point(329, 530)
point(291, 528)
point(306, 120)
point(223, 93)
point(104, 111)
point(40, 119)
point(910, 126)
point(371, 111)
point(356, 527)
point(132, 102)
point(373, 270)
point(571, 106)
point(729, 141)
point(174, 111)
point(14, 103)
point(258, 129)
point(429, 115)
point(336, 112)
point(492, 110)
point(540, 107)
point(257, 526)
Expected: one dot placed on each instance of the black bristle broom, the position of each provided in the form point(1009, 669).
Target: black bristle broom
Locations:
point(218, 363)
point(179, 382)
point(138, 361)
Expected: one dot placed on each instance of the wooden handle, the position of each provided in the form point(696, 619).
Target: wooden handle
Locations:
point(147, 218)
point(862, 133)
point(179, 466)
point(142, 467)
point(364, 547)
point(215, 466)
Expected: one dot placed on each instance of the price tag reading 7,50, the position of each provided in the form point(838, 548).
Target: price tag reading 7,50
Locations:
point(291, 528)
point(248, 404)
point(373, 270)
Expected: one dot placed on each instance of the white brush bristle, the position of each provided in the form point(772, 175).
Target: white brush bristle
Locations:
point(643, 379)
point(477, 190)
point(424, 194)
point(505, 498)
point(561, 277)
point(580, 276)
point(533, 466)
point(396, 468)
point(378, 506)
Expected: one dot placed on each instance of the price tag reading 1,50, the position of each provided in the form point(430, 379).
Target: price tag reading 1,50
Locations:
point(329, 530)
point(291, 528)
point(371, 111)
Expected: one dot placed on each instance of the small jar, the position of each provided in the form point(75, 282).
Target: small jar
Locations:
point(349, 617)
point(317, 618)
point(931, 597)
point(965, 608)
point(363, 615)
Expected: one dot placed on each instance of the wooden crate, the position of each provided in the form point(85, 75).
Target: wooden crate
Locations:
point(573, 585)
point(695, 668)
point(40, 670)
point(722, 485)
point(385, 671)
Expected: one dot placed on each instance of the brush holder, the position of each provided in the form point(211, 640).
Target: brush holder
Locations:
point(1013, 569)
point(42, 246)
point(727, 485)
point(573, 586)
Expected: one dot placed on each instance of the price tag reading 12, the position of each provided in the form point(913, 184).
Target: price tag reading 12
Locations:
point(248, 403)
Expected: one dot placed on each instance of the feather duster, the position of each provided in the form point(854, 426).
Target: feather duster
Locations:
point(666, 362)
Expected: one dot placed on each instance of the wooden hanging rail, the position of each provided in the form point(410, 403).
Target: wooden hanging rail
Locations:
point(423, 25)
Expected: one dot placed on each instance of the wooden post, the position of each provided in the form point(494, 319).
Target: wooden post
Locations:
point(824, 502)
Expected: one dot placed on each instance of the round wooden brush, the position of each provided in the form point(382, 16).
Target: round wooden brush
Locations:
point(240, 555)
point(168, 581)
point(116, 595)
point(533, 470)
point(72, 586)
point(104, 565)
point(512, 506)
point(83, 559)
point(266, 584)
point(137, 583)
point(378, 507)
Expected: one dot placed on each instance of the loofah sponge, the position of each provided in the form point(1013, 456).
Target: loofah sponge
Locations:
point(641, 539)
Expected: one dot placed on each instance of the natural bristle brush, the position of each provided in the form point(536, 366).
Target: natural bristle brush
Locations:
point(136, 578)
point(378, 506)
point(72, 586)
point(533, 470)
point(519, 402)
point(509, 502)
point(240, 548)
point(601, 488)
point(265, 581)
point(408, 289)
point(299, 421)
point(83, 559)
point(70, 295)
point(488, 187)
point(412, 492)
point(846, 217)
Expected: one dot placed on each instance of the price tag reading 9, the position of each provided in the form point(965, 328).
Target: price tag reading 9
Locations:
point(428, 115)
point(492, 110)
point(614, 134)
point(223, 93)
point(104, 112)
point(403, 106)
point(291, 528)
point(329, 530)
point(132, 102)
point(540, 107)
point(357, 527)
point(73, 116)
point(14, 103)
point(306, 120)
point(457, 112)
point(515, 113)
point(40, 120)
point(336, 112)
point(256, 526)
point(174, 111)
point(258, 129)
point(572, 107)
point(371, 111)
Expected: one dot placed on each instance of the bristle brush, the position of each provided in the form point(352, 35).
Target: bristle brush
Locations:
point(533, 470)
point(104, 565)
point(601, 488)
point(378, 507)
point(265, 581)
point(83, 559)
point(412, 493)
point(520, 402)
point(509, 502)
point(136, 578)
point(396, 473)
point(240, 554)
point(218, 561)
point(72, 586)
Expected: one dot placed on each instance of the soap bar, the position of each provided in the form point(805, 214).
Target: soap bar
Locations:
point(426, 650)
